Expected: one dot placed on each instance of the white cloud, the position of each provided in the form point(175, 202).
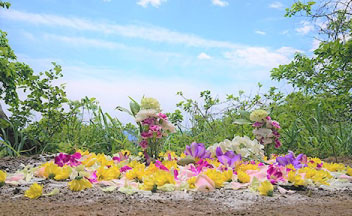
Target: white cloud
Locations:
point(315, 45)
point(151, 33)
point(276, 5)
point(106, 0)
point(220, 3)
point(154, 3)
point(260, 56)
point(260, 32)
point(306, 28)
point(203, 56)
point(284, 32)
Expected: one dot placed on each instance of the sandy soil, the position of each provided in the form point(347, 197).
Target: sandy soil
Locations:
point(220, 202)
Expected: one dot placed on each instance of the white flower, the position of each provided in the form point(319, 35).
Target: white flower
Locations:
point(146, 113)
point(168, 126)
point(249, 149)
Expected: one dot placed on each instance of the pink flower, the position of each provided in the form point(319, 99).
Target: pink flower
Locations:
point(66, 159)
point(161, 166)
point(143, 144)
point(93, 178)
point(124, 169)
point(277, 143)
point(162, 116)
point(257, 124)
point(148, 121)
point(147, 134)
point(275, 124)
point(204, 183)
point(275, 174)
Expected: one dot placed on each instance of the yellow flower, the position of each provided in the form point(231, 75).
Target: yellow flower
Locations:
point(291, 167)
point(227, 175)
point(182, 155)
point(135, 163)
point(334, 167)
point(216, 176)
point(90, 161)
point(51, 170)
point(101, 158)
point(148, 184)
point(63, 173)
point(245, 167)
point(258, 115)
point(319, 177)
point(243, 177)
point(125, 152)
point(79, 184)
point(34, 191)
point(163, 177)
point(107, 174)
point(170, 164)
point(151, 169)
point(192, 182)
point(215, 163)
point(266, 188)
point(2, 177)
point(136, 173)
point(349, 171)
point(83, 153)
point(296, 180)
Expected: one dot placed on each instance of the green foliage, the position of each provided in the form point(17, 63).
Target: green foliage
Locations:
point(300, 7)
point(6, 5)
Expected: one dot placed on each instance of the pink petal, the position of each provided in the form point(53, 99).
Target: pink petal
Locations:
point(204, 183)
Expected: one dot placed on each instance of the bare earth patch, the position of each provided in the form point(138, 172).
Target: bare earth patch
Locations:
point(220, 202)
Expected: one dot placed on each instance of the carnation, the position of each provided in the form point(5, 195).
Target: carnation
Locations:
point(146, 113)
point(258, 115)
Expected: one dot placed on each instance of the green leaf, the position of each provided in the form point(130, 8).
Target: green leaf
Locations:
point(109, 189)
point(242, 122)
point(244, 114)
point(122, 109)
point(55, 191)
point(254, 185)
point(128, 190)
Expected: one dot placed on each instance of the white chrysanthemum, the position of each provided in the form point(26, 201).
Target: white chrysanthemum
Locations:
point(146, 113)
point(249, 149)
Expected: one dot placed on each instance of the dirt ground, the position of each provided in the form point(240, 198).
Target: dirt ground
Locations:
point(220, 202)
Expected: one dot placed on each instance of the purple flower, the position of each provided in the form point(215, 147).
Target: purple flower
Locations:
point(229, 158)
point(291, 159)
point(197, 150)
point(66, 159)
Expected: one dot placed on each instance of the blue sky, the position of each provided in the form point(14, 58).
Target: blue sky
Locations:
point(112, 49)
